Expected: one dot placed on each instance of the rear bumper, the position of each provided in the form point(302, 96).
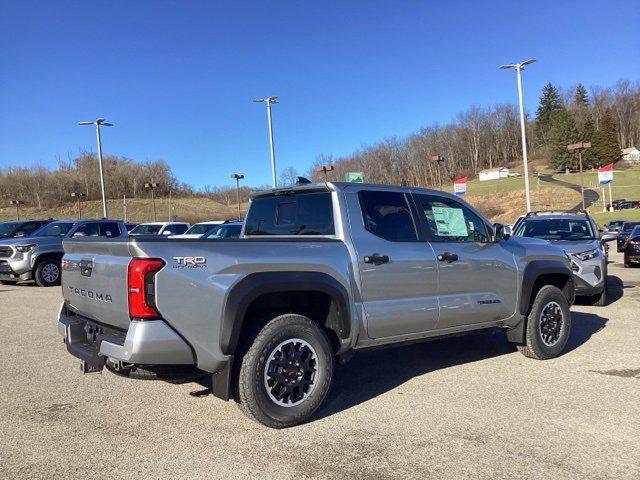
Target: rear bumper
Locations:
point(144, 343)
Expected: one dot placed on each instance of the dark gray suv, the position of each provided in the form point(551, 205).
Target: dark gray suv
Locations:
point(38, 256)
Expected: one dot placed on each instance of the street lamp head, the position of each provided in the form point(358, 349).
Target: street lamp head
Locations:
point(506, 67)
point(99, 121)
point(237, 176)
point(85, 123)
point(527, 62)
point(272, 100)
point(258, 100)
point(106, 124)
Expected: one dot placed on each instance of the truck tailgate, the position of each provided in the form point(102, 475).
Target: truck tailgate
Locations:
point(94, 279)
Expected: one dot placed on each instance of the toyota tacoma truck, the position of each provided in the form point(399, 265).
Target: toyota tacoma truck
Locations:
point(319, 271)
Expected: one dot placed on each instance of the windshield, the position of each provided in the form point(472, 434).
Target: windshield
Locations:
point(146, 230)
point(200, 229)
point(225, 231)
point(627, 227)
point(7, 228)
point(55, 229)
point(556, 229)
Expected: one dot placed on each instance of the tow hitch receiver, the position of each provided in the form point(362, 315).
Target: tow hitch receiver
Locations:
point(86, 367)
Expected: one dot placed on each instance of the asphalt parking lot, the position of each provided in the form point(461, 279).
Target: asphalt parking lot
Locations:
point(464, 407)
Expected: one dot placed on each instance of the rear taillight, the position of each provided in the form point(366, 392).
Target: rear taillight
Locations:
point(141, 287)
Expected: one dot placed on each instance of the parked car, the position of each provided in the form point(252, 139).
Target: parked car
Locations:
point(616, 203)
point(576, 234)
point(613, 226)
point(632, 248)
point(199, 229)
point(321, 270)
point(38, 257)
point(224, 230)
point(624, 233)
point(21, 228)
point(160, 228)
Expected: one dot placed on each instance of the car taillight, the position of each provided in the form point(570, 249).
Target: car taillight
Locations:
point(141, 287)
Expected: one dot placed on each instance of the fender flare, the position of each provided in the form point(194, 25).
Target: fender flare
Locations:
point(42, 255)
point(533, 271)
point(243, 293)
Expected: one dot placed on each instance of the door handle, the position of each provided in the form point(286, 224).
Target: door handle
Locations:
point(448, 257)
point(376, 259)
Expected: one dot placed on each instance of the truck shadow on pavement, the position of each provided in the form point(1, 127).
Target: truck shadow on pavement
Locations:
point(357, 382)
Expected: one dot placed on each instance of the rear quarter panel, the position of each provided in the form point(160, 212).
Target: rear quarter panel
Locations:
point(191, 298)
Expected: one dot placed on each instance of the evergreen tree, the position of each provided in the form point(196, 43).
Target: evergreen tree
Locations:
point(550, 104)
point(605, 145)
point(588, 134)
point(563, 132)
point(581, 100)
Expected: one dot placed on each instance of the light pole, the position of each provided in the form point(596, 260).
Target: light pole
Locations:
point(269, 101)
point(98, 123)
point(325, 169)
point(579, 147)
point(152, 186)
point(78, 196)
point(439, 159)
point(17, 203)
point(238, 177)
point(518, 67)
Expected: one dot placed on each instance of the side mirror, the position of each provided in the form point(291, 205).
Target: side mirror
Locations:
point(607, 237)
point(501, 232)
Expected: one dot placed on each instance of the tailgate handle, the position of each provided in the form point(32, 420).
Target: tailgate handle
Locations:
point(86, 266)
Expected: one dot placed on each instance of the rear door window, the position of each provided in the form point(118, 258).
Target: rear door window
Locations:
point(87, 230)
point(109, 229)
point(297, 214)
point(388, 215)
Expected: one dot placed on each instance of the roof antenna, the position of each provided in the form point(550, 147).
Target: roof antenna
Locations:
point(302, 181)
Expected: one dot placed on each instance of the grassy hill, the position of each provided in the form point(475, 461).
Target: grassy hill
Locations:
point(501, 200)
point(138, 210)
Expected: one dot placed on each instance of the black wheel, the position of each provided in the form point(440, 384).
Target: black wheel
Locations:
point(48, 273)
point(548, 325)
point(286, 372)
point(600, 299)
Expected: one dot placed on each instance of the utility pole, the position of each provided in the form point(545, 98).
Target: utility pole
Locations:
point(100, 122)
point(269, 101)
point(78, 196)
point(238, 177)
point(579, 147)
point(170, 208)
point(518, 67)
point(325, 169)
point(124, 208)
point(152, 186)
point(439, 159)
point(17, 203)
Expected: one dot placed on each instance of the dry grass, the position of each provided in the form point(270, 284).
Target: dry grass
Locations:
point(138, 210)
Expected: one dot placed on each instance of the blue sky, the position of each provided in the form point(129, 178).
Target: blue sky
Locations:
point(177, 78)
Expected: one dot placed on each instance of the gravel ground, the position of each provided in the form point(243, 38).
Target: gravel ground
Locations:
point(465, 407)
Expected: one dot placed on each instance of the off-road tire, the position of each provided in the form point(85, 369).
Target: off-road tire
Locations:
point(534, 346)
point(252, 395)
point(43, 272)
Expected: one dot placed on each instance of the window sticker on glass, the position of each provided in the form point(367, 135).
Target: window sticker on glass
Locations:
point(450, 222)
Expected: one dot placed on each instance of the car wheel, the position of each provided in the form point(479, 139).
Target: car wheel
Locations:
point(600, 299)
point(286, 372)
point(548, 325)
point(48, 273)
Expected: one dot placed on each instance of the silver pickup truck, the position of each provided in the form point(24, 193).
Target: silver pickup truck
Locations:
point(320, 270)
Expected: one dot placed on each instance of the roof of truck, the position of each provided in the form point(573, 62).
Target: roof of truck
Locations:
point(346, 186)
